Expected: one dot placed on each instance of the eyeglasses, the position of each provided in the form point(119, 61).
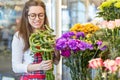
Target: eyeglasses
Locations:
point(33, 16)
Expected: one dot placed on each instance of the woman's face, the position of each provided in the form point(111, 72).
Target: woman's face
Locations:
point(36, 16)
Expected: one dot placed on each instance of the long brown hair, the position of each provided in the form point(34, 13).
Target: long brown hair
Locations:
point(25, 29)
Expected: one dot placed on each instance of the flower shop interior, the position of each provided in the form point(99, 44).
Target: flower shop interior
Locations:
point(69, 16)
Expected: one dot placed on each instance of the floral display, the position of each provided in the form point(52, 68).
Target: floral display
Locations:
point(77, 51)
point(105, 69)
point(109, 10)
point(43, 42)
point(109, 33)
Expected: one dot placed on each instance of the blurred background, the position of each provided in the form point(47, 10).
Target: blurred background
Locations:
point(62, 15)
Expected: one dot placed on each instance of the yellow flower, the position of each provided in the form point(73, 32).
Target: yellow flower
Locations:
point(109, 10)
point(76, 27)
point(117, 5)
point(86, 28)
point(113, 0)
point(91, 28)
point(88, 35)
point(105, 4)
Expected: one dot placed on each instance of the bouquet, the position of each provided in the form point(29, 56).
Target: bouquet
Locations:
point(105, 70)
point(43, 42)
point(109, 10)
point(77, 51)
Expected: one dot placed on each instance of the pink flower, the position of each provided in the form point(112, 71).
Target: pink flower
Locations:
point(117, 22)
point(117, 60)
point(103, 24)
point(96, 63)
point(110, 65)
point(111, 25)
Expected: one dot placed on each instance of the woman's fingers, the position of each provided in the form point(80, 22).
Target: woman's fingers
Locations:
point(46, 65)
point(47, 61)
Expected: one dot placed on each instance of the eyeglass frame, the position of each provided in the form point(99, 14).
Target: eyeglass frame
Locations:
point(36, 16)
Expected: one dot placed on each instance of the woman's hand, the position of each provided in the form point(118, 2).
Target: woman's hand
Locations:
point(45, 65)
point(56, 57)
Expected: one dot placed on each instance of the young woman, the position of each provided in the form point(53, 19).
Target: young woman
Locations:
point(32, 68)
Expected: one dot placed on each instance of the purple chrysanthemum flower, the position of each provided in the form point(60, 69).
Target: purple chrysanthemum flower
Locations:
point(76, 50)
point(72, 43)
point(99, 43)
point(89, 46)
point(61, 43)
point(68, 35)
point(103, 48)
point(66, 53)
point(80, 34)
point(82, 45)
